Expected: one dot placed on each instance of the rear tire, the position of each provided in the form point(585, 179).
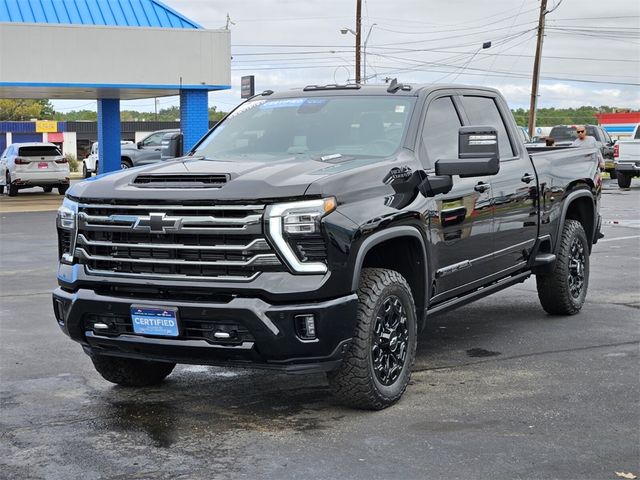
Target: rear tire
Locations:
point(612, 174)
point(377, 368)
point(563, 291)
point(47, 189)
point(62, 189)
point(11, 188)
point(1, 189)
point(130, 372)
point(125, 163)
point(624, 181)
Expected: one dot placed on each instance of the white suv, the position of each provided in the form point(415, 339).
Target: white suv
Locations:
point(28, 165)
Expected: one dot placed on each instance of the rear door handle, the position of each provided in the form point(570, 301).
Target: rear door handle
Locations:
point(526, 178)
point(482, 187)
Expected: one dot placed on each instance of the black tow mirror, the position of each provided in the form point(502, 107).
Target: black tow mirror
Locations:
point(477, 154)
point(171, 145)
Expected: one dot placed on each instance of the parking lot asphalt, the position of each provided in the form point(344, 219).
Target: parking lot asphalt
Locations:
point(500, 390)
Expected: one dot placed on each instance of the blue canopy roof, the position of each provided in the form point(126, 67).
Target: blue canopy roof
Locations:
point(121, 13)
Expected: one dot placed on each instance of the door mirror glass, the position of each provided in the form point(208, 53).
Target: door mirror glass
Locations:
point(171, 145)
point(477, 154)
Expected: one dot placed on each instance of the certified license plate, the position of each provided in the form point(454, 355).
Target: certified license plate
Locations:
point(159, 321)
point(43, 165)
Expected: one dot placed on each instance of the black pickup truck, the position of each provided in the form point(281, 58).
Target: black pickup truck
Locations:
point(318, 230)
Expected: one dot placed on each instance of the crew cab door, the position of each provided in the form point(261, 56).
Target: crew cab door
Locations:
point(513, 188)
point(150, 149)
point(460, 226)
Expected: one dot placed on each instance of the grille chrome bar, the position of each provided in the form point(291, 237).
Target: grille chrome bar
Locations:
point(257, 244)
point(84, 206)
point(173, 276)
point(260, 259)
point(130, 220)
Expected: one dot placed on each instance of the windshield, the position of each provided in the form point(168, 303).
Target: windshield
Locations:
point(566, 134)
point(326, 128)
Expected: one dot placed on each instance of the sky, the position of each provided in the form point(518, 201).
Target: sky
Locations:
point(591, 49)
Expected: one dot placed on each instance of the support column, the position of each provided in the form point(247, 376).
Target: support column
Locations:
point(109, 135)
point(194, 116)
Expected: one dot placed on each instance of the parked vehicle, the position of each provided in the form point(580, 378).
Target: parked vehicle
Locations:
point(627, 158)
point(317, 230)
point(91, 163)
point(27, 165)
point(565, 135)
point(146, 151)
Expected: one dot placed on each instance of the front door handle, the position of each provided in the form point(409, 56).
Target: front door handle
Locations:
point(526, 178)
point(482, 187)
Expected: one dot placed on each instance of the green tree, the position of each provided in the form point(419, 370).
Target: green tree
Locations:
point(25, 109)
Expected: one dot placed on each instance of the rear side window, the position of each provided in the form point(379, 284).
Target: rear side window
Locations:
point(484, 111)
point(440, 131)
point(44, 151)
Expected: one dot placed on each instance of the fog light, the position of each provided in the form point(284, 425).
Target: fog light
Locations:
point(306, 326)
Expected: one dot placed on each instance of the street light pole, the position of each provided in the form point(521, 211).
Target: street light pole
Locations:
point(358, 24)
point(364, 55)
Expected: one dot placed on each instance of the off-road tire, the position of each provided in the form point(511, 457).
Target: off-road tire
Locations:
point(554, 289)
point(130, 372)
point(62, 189)
point(624, 181)
point(47, 189)
point(355, 383)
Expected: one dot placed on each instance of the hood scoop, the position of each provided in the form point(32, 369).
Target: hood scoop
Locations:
point(181, 180)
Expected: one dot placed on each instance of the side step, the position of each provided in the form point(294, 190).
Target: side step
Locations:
point(477, 294)
point(544, 259)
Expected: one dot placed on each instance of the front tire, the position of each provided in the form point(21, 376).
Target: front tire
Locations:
point(62, 189)
point(130, 372)
point(612, 174)
point(377, 368)
point(624, 181)
point(563, 291)
point(47, 189)
point(125, 163)
point(85, 172)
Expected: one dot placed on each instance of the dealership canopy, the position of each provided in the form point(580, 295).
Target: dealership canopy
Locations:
point(111, 51)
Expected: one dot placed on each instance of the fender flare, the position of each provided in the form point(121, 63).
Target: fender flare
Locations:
point(565, 208)
point(382, 236)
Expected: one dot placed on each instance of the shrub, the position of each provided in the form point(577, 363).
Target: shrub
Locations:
point(73, 162)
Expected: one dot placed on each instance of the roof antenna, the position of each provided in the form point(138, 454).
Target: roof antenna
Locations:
point(394, 86)
point(229, 22)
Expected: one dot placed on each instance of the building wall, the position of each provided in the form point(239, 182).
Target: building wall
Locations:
point(113, 56)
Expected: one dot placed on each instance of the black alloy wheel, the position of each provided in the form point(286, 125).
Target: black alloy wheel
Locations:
point(575, 278)
point(390, 340)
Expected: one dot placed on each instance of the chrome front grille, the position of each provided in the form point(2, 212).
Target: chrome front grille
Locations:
point(199, 242)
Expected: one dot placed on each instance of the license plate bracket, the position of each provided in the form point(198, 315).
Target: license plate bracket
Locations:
point(155, 321)
point(43, 165)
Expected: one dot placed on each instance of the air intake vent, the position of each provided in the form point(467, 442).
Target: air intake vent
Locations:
point(181, 181)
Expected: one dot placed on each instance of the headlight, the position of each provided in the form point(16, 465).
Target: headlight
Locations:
point(298, 219)
point(67, 214)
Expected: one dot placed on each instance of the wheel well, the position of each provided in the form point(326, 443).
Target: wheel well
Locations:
point(404, 255)
point(581, 209)
point(125, 159)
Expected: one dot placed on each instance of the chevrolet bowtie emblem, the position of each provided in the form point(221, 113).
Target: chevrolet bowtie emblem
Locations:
point(156, 223)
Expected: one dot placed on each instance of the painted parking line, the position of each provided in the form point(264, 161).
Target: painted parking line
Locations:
point(618, 238)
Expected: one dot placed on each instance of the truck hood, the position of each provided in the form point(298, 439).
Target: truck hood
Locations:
point(254, 180)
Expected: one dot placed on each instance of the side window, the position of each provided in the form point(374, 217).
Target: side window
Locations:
point(440, 132)
point(484, 111)
point(154, 140)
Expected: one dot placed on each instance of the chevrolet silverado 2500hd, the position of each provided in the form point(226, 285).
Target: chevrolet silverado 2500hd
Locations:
point(318, 230)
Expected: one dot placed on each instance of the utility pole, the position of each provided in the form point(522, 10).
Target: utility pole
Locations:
point(358, 29)
point(536, 69)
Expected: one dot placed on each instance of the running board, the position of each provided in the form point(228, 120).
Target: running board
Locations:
point(478, 294)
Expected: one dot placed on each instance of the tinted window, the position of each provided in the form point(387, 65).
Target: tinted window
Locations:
point(153, 140)
point(43, 151)
point(440, 131)
point(484, 111)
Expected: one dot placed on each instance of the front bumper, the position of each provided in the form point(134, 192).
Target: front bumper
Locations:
point(271, 339)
